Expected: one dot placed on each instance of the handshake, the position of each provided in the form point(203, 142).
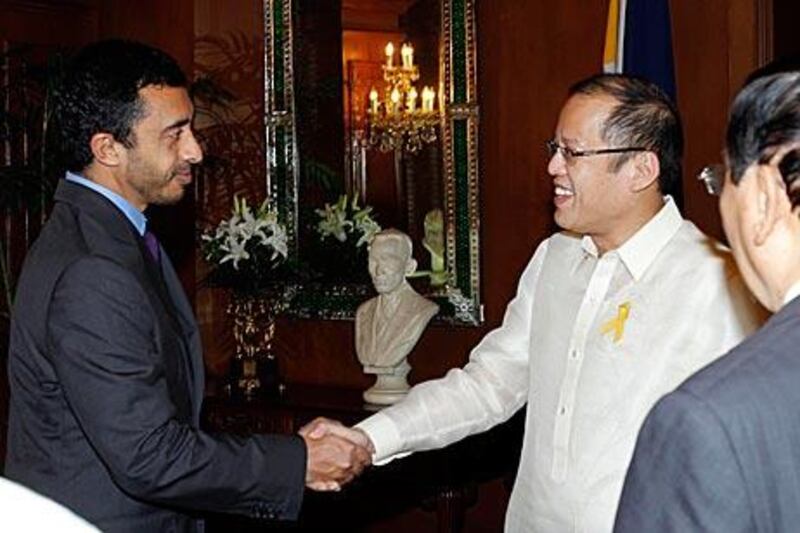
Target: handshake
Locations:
point(335, 453)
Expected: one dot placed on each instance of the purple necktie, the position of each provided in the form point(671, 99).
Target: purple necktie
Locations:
point(152, 246)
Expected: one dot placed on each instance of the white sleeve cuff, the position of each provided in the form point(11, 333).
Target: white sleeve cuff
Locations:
point(385, 437)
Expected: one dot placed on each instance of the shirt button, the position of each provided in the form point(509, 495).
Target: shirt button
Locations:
point(574, 353)
point(563, 410)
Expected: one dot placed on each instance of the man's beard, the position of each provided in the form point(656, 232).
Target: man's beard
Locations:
point(155, 192)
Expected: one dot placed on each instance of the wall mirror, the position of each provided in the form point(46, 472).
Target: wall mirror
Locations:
point(356, 123)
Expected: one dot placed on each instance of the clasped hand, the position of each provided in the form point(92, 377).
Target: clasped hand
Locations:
point(336, 453)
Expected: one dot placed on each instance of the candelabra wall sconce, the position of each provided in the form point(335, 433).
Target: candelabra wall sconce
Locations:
point(396, 121)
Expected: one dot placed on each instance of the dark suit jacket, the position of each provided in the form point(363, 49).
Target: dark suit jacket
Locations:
point(106, 377)
point(722, 452)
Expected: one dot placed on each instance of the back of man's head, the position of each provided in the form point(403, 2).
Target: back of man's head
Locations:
point(644, 117)
point(100, 94)
point(765, 118)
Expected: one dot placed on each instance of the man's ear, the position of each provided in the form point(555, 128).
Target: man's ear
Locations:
point(105, 149)
point(772, 203)
point(411, 266)
point(647, 169)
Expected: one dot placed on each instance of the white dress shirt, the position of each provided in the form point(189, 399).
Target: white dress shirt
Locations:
point(22, 509)
point(590, 343)
point(791, 293)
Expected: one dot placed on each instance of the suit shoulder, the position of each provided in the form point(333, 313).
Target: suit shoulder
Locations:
point(761, 372)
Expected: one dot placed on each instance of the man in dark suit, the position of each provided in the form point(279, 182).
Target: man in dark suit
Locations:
point(105, 363)
point(722, 452)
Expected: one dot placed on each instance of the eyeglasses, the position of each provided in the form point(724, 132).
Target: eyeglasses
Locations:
point(713, 177)
point(569, 153)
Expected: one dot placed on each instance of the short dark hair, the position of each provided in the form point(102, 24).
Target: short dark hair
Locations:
point(765, 117)
point(644, 117)
point(99, 93)
point(781, 64)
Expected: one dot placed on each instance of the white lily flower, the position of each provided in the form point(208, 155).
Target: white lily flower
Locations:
point(333, 222)
point(236, 253)
point(278, 241)
point(242, 237)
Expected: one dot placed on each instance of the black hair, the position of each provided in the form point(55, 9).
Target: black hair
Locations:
point(781, 64)
point(99, 93)
point(644, 117)
point(765, 117)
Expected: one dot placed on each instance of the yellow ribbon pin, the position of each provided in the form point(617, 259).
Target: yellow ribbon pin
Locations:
point(617, 325)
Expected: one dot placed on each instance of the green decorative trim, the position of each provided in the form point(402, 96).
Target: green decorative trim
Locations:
point(459, 45)
point(463, 222)
point(278, 44)
point(279, 114)
point(460, 138)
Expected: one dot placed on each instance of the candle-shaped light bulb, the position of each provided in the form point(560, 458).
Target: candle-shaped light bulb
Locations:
point(427, 99)
point(389, 50)
point(395, 98)
point(407, 55)
point(411, 99)
point(373, 100)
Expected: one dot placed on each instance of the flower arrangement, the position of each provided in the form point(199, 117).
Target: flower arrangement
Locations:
point(345, 220)
point(245, 249)
point(344, 229)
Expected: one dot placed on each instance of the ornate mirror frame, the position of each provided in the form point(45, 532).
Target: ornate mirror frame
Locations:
point(460, 303)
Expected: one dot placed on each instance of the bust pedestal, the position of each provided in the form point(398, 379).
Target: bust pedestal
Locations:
point(390, 386)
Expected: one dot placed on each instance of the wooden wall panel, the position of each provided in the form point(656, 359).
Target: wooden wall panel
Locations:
point(529, 54)
point(716, 46)
point(785, 14)
point(48, 23)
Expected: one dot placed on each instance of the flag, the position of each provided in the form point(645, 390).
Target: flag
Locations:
point(610, 54)
point(639, 41)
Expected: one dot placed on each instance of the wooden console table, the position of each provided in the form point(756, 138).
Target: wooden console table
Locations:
point(443, 481)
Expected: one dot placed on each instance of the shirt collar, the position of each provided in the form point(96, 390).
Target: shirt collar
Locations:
point(639, 251)
point(135, 216)
point(792, 293)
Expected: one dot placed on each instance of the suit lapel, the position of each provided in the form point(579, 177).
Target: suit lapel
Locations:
point(191, 333)
point(118, 239)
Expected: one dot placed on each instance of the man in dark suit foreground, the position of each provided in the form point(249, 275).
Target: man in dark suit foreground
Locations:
point(722, 452)
point(105, 362)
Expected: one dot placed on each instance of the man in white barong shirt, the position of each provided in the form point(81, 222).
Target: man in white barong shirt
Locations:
point(609, 315)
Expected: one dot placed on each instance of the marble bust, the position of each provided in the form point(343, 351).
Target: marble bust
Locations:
point(389, 325)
